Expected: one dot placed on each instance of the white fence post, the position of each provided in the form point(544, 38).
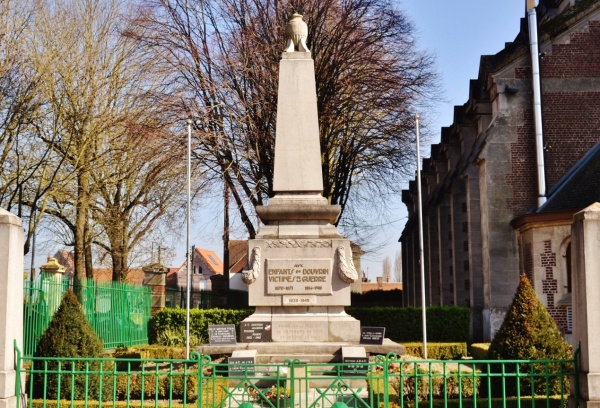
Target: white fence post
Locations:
point(585, 246)
point(11, 303)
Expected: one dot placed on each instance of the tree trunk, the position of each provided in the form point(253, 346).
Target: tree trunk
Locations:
point(89, 264)
point(81, 219)
point(226, 234)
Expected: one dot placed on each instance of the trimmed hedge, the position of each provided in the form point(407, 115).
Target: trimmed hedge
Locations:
point(479, 351)
point(404, 324)
point(374, 298)
point(167, 393)
point(420, 385)
point(68, 335)
point(173, 320)
point(528, 332)
point(153, 351)
point(438, 351)
point(508, 402)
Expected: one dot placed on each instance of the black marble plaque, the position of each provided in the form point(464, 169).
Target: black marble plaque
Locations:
point(255, 332)
point(372, 335)
point(237, 366)
point(355, 365)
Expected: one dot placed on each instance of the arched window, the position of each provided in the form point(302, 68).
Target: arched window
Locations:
point(565, 284)
point(568, 269)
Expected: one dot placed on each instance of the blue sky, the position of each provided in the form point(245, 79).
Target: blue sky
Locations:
point(458, 33)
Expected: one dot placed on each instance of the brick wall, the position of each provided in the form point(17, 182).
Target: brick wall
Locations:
point(550, 286)
point(571, 115)
point(580, 58)
point(571, 128)
point(523, 175)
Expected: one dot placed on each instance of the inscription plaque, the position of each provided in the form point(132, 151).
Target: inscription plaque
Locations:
point(252, 332)
point(285, 330)
point(291, 300)
point(355, 365)
point(241, 366)
point(299, 276)
point(221, 334)
point(372, 335)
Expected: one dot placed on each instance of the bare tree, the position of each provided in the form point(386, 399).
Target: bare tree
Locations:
point(139, 185)
point(387, 269)
point(83, 136)
point(103, 121)
point(224, 55)
point(25, 175)
point(398, 267)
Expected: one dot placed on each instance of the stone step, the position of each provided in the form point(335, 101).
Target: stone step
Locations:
point(301, 348)
point(320, 381)
point(278, 358)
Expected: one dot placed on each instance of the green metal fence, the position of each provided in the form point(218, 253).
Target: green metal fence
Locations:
point(118, 312)
point(384, 381)
point(199, 299)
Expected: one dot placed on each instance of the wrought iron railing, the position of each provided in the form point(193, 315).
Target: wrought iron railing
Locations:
point(384, 381)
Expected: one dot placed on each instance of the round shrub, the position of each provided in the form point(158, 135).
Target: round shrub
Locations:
point(528, 332)
point(69, 335)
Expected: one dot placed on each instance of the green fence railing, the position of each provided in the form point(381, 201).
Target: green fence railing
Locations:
point(199, 299)
point(383, 381)
point(118, 312)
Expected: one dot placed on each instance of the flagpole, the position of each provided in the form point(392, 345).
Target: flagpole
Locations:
point(187, 242)
point(421, 255)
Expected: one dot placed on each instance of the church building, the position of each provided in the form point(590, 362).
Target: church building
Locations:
point(522, 156)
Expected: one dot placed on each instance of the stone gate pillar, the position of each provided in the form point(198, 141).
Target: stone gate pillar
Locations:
point(53, 272)
point(585, 247)
point(11, 303)
point(155, 277)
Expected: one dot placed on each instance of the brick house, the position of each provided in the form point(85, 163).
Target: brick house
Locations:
point(484, 220)
point(205, 264)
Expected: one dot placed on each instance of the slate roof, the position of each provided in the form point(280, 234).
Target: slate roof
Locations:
point(579, 187)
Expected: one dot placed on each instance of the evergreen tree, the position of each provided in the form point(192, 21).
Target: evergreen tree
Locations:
point(68, 335)
point(528, 332)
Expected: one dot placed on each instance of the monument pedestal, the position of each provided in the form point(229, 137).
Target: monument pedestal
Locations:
point(300, 286)
point(308, 324)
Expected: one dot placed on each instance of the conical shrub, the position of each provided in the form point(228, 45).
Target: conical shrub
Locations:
point(528, 332)
point(69, 335)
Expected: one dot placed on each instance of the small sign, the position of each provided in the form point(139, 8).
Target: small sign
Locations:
point(372, 335)
point(355, 365)
point(239, 366)
point(293, 300)
point(221, 334)
point(255, 332)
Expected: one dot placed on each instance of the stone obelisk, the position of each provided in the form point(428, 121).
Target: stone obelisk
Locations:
point(299, 267)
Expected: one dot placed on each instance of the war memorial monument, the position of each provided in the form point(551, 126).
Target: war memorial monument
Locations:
point(300, 267)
